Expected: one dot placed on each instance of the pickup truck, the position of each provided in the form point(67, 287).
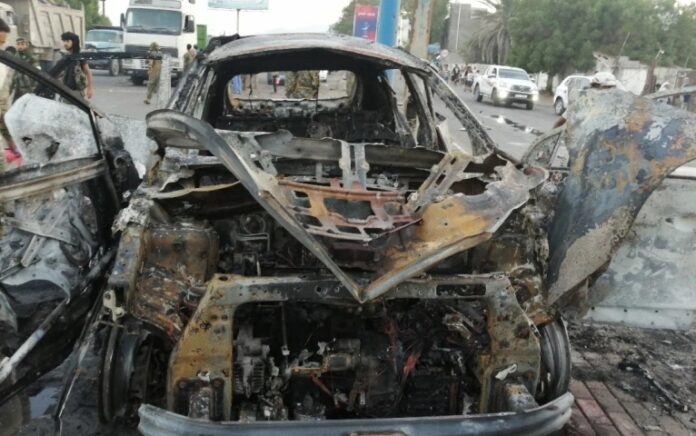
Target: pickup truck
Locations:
point(506, 85)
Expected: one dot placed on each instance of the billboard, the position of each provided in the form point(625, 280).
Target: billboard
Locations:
point(365, 22)
point(239, 4)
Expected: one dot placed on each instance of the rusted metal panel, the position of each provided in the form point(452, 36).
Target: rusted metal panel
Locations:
point(445, 227)
point(621, 148)
point(650, 281)
point(177, 260)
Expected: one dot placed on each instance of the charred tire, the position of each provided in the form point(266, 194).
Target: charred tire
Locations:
point(558, 106)
point(530, 105)
point(555, 361)
point(127, 373)
point(137, 81)
point(477, 94)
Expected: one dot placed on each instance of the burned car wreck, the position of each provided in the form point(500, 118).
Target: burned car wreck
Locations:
point(56, 211)
point(363, 259)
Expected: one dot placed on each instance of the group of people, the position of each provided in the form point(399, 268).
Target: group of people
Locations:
point(458, 75)
point(74, 73)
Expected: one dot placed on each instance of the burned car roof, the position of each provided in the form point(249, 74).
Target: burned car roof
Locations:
point(265, 45)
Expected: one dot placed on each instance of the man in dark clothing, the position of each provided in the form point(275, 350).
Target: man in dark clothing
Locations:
point(77, 74)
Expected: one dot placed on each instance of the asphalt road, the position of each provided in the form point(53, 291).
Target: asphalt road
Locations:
point(513, 128)
point(117, 95)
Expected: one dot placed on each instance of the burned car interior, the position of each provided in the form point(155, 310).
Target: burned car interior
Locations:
point(363, 258)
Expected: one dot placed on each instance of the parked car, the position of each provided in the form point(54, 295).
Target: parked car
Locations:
point(569, 85)
point(506, 85)
point(105, 39)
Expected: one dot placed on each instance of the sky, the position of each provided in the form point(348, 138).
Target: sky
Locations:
point(282, 16)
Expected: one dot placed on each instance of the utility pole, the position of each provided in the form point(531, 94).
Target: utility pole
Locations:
point(421, 28)
point(459, 20)
point(238, 11)
point(388, 24)
point(103, 2)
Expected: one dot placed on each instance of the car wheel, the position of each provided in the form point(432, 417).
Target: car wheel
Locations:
point(555, 361)
point(558, 106)
point(137, 81)
point(494, 97)
point(114, 68)
point(477, 94)
point(530, 105)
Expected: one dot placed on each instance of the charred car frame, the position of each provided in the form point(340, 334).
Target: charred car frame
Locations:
point(364, 260)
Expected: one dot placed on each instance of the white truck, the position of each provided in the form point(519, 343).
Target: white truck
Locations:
point(169, 23)
point(506, 85)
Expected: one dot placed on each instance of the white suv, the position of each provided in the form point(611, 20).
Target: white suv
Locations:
point(506, 85)
point(568, 85)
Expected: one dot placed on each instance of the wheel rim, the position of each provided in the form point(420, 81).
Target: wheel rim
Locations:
point(559, 107)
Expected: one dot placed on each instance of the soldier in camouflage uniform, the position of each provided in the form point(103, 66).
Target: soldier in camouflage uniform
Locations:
point(22, 84)
point(302, 84)
point(153, 72)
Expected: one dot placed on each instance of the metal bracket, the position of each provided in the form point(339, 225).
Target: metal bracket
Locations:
point(109, 301)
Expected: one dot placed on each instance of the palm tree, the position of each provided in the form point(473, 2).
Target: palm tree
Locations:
point(491, 42)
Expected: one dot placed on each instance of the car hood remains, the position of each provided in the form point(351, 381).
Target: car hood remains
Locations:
point(621, 147)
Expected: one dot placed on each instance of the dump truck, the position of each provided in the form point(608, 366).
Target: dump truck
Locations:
point(42, 23)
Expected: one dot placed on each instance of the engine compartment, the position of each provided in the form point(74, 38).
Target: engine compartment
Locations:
point(306, 361)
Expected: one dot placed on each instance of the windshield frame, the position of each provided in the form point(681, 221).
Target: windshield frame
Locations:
point(513, 74)
point(153, 30)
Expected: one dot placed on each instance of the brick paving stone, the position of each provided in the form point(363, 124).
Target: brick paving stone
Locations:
point(579, 424)
point(579, 390)
point(594, 413)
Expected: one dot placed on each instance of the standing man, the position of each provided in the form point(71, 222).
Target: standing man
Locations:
point(22, 84)
point(189, 56)
point(302, 84)
point(77, 75)
point(153, 71)
point(686, 97)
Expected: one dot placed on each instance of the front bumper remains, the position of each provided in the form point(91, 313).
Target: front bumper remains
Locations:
point(542, 420)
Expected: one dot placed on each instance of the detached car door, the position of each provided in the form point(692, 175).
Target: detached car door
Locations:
point(648, 281)
point(57, 204)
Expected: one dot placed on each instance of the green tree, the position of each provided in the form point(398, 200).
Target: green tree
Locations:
point(560, 37)
point(92, 16)
point(491, 43)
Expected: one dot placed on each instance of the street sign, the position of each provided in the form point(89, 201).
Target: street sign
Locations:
point(259, 5)
point(365, 22)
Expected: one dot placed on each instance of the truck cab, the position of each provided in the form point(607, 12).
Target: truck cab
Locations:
point(170, 23)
